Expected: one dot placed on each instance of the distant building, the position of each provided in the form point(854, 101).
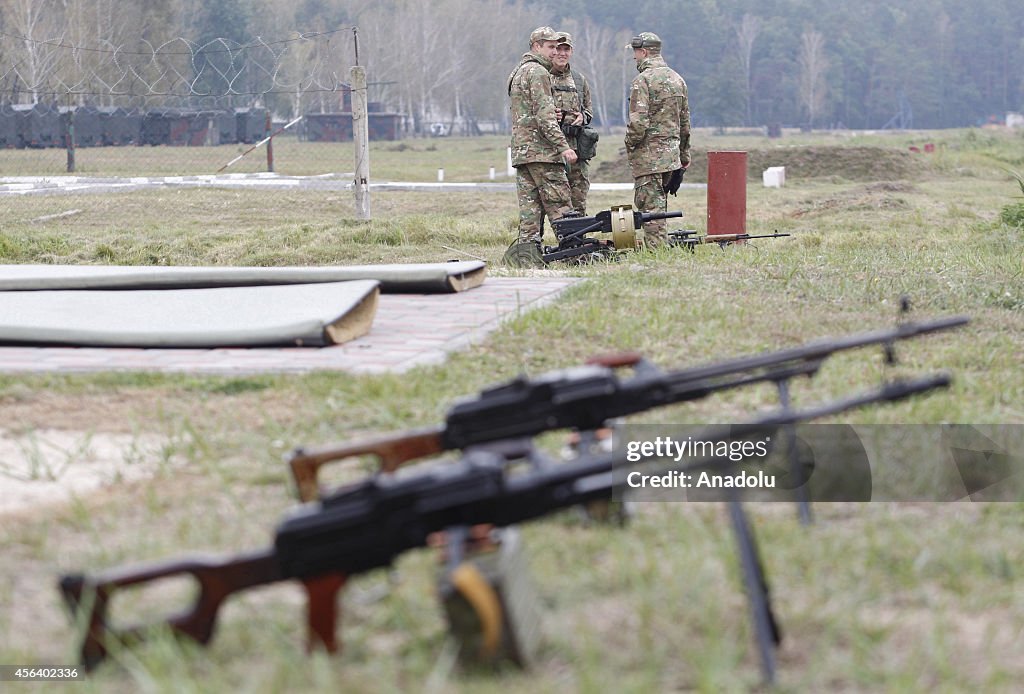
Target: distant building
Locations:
point(336, 126)
point(1015, 120)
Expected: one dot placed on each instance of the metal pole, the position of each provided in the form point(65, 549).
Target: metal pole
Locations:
point(361, 135)
point(270, 144)
point(69, 140)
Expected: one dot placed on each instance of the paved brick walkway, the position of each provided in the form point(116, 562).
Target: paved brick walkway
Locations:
point(409, 330)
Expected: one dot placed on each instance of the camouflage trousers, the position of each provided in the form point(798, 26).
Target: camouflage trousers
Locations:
point(649, 196)
point(542, 189)
point(579, 185)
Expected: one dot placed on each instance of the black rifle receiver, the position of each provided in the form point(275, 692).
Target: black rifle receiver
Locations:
point(586, 397)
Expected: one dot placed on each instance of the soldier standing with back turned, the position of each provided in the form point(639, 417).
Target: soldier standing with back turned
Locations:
point(658, 133)
point(573, 108)
point(540, 151)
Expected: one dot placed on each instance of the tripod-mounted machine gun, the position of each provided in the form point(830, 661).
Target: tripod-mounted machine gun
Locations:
point(500, 479)
point(625, 227)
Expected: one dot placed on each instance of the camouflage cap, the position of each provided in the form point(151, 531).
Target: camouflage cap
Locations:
point(645, 39)
point(566, 38)
point(546, 34)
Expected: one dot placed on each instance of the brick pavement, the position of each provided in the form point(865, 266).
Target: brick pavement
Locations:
point(409, 330)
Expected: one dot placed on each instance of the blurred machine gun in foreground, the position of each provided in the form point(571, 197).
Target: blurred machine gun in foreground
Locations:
point(501, 479)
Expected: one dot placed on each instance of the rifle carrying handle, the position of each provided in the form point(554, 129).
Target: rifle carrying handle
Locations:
point(217, 579)
point(391, 453)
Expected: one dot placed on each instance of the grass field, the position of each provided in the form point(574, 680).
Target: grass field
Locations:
point(872, 597)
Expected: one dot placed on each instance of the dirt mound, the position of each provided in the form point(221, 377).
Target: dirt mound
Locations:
point(865, 197)
point(849, 163)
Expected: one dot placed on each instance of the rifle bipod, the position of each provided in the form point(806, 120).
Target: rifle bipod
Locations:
point(766, 628)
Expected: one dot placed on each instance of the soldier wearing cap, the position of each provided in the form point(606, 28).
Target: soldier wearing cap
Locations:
point(573, 109)
point(540, 151)
point(658, 133)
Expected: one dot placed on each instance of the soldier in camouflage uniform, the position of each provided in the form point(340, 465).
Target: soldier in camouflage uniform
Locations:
point(539, 148)
point(573, 108)
point(658, 134)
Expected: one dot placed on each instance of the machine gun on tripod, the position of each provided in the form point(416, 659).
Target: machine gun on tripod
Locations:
point(622, 222)
point(368, 524)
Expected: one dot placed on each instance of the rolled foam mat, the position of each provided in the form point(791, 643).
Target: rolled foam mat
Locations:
point(292, 314)
point(422, 278)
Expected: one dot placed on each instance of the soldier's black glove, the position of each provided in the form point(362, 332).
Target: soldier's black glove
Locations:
point(674, 181)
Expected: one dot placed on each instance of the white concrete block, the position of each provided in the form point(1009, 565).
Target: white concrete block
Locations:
point(774, 177)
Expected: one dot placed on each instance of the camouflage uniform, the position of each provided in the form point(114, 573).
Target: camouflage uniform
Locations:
point(537, 146)
point(572, 93)
point(658, 134)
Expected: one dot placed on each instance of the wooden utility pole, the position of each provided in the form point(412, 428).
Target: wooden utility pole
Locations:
point(361, 135)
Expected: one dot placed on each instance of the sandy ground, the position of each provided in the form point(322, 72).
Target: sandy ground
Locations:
point(51, 466)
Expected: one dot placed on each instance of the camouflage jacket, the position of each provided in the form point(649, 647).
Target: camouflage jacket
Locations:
point(536, 136)
point(572, 93)
point(658, 134)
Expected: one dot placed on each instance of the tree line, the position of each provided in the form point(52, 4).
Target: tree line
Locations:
point(812, 63)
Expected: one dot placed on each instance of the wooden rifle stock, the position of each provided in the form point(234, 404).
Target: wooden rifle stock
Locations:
point(391, 452)
point(217, 577)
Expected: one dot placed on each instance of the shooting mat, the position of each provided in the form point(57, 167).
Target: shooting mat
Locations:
point(293, 314)
point(419, 278)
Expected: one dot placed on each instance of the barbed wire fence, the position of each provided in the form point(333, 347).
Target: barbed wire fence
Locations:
point(181, 107)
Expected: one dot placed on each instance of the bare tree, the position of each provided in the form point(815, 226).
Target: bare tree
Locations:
point(453, 56)
point(746, 35)
point(39, 23)
point(598, 52)
point(88, 67)
point(504, 29)
point(423, 61)
point(944, 31)
point(813, 65)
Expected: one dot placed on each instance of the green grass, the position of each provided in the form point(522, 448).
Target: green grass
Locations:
point(873, 597)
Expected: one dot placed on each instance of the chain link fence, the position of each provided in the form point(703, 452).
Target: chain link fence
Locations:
point(181, 108)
